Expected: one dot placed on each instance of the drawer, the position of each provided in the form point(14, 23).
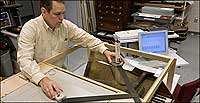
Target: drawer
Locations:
point(105, 4)
point(109, 26)
point(113, 19)
point(110, 7)
point(119, 3)
point(111, 13)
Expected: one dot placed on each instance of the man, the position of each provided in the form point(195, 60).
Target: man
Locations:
point(45, 36)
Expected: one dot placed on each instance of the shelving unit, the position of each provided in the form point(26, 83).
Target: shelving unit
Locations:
point(10, 24)
point(112, 15)
point(181, 8)
point(9, 15)
point(179, 25)
point(5, 19)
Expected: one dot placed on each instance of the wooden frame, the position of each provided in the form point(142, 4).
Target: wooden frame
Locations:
point(169, 68)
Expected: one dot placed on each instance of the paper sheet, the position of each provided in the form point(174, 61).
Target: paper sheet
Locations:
point(128, 34)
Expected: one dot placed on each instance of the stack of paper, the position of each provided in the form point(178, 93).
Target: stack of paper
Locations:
point(128, 34)
point(149, 15)
point(158, 10)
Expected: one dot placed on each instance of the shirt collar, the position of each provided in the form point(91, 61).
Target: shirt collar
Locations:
point(45, 24)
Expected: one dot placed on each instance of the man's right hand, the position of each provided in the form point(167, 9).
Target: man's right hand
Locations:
point(50, 87)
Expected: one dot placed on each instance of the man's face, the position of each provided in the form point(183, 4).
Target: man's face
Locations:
point(55, 16)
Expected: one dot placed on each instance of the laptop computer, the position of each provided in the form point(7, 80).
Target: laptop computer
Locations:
point(157, 42)
point(154, 41)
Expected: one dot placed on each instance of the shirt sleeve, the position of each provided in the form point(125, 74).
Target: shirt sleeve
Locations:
point(28, 66)
point(81, 37)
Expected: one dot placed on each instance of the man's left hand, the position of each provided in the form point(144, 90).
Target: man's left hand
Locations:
point(109, 55)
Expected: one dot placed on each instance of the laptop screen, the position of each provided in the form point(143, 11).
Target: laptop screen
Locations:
point(154, 41)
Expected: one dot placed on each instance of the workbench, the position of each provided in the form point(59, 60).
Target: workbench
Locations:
point(16, 88)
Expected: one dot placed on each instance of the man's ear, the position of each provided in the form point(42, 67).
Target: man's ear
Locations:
point(43, 10)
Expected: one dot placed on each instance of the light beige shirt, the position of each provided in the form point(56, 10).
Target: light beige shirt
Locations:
point(37, 41)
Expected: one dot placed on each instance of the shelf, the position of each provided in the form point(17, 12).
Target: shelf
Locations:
point(3, 12)
point(5, 26)
point(154, 18)
point(181, 8)
point(4, 19)
point(9, 33)
point(11, 6)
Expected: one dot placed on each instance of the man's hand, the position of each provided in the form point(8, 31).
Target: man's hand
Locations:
point(50, 87)
point(109, 55)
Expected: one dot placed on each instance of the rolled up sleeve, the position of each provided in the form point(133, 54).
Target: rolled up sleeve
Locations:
point(25, 53)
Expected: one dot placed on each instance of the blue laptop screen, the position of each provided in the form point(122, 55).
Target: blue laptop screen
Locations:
point(155, 42)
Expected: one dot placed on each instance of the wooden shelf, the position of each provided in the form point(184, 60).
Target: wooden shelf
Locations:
point(181, 8)
point(11, 6)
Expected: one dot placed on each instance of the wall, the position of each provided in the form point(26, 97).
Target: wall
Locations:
point(26, 11)
point(193, 17)
point(36, 7)
point(72, 12)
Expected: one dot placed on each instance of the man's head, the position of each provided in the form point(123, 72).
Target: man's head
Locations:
point(53, 12)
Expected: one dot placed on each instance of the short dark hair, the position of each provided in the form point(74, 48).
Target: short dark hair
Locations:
point(47, 4)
